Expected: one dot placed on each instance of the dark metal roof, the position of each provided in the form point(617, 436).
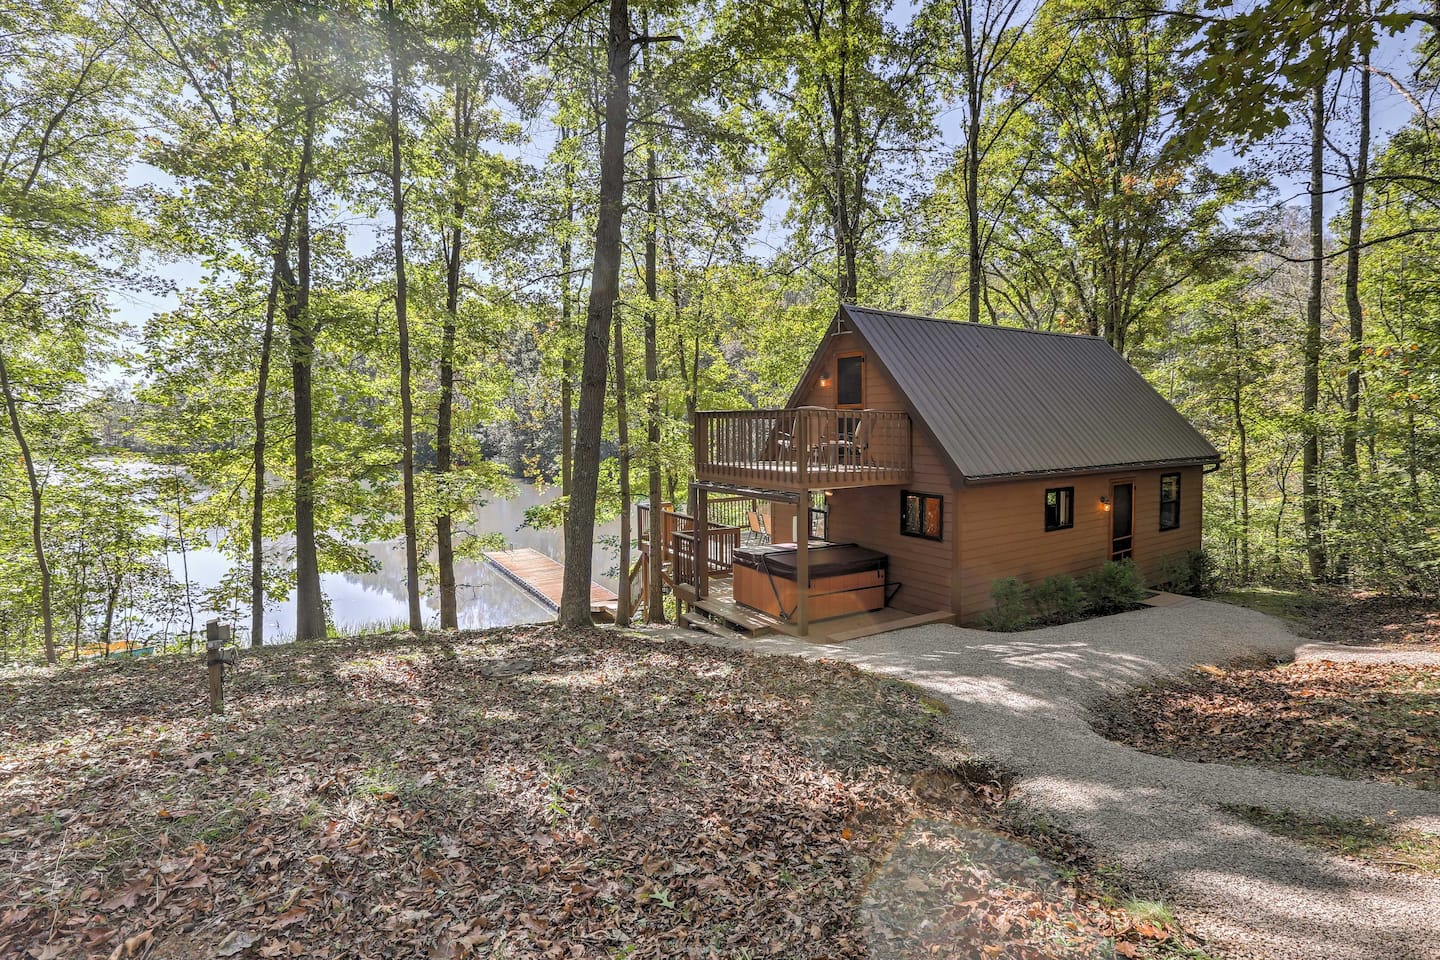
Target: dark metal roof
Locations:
point(1007, 402)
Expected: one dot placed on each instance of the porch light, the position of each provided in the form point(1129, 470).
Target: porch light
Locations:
point(1105, 504)
point(828, 494)
point(824, 379)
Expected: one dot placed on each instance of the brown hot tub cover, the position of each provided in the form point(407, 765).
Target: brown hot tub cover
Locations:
point(832, 560)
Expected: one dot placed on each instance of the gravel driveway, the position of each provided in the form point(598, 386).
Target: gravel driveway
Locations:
point(1022, 698)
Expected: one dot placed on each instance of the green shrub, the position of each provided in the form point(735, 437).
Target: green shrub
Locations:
point(1057, 599)
point(1189, 573)
point(1012, 605)
point(1114, 587)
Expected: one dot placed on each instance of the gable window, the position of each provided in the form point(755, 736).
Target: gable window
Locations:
point(1059, 508)
point(1169, 501)
point(922, 515)
point(850, 381)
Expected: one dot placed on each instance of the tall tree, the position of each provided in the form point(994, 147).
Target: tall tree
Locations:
point(1118, 204)
point(63, 94)
point(655, 580)
point(837, 93)
point(604, 291)
point(1355, 311)
point(395, 92)
point(1314, 307)
point(989, 33)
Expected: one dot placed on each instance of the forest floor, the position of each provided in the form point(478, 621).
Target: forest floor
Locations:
point(1346, 617)
point(524, 792)
point(1360, 721)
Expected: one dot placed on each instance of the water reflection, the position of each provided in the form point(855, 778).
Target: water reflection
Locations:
point(486, 597)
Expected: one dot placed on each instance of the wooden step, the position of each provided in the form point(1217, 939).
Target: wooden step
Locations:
point(870, 630)
point(706, 625)
point(739, 619)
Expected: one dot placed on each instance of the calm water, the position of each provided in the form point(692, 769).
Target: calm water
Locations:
point(486, 597)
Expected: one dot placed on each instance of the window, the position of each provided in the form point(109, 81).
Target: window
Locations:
point(922, 515)
point(1169, 501)
point(850, 381)
point(1059, 508)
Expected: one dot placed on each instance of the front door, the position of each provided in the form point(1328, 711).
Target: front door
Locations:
point(1122, 520)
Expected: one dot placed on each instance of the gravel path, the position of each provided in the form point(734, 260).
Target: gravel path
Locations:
point(1023, 697)
point(1344, 654)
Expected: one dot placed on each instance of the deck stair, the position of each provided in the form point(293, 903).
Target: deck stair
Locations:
point(696, 621)
point(736, 619)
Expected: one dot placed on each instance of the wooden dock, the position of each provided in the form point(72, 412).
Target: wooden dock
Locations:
point(544, 579)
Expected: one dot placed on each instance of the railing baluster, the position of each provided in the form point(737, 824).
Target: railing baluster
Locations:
point(822, 450)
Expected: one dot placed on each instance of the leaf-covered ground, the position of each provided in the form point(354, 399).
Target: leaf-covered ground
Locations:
point(1360, 721)
point(1353, 618)
point(1356, 838)
point(519, 793)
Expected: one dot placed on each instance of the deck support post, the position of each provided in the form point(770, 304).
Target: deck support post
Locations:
point(701, 543)
point(802, 563)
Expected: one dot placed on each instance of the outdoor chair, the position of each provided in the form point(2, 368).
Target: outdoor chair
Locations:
point(758, 533)
point(852, 451)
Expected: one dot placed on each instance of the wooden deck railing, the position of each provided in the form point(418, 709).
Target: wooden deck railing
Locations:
point(678, 532)
point(805, 447)
point(721, 544)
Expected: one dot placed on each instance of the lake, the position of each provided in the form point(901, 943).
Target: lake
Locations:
point(486, 597)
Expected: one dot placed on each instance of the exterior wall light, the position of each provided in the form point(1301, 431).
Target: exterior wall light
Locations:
point(1105, 504)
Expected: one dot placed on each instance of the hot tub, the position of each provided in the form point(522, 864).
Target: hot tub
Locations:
point(845, 578)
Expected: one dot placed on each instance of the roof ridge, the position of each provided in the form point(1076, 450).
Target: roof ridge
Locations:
point(848, 307)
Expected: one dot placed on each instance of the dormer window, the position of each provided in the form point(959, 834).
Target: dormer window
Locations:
point(850, 381)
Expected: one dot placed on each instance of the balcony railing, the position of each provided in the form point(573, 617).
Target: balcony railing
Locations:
point(720, 546)
point(805, 447)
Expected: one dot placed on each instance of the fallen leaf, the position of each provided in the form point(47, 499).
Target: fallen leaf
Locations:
point(236, 943)
point(133, 945)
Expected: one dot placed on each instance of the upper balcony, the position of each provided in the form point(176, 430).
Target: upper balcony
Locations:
point(803, 448)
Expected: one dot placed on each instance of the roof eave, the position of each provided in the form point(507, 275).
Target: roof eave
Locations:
point(1089, 471)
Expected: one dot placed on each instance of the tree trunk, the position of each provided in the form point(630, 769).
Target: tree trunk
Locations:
point(567, 371)
point(974, 118)
point(1353, 309)
point(604, 290)
point(112, 597)
point(444, 426)
point(1243, 466)
point(454, 252)
point(402, 324)
point(1349, 452)
point(655, 582)
point(309, 601)
point(257, 462)
point(1310, 401)
point(37, 511)
point(622, 427)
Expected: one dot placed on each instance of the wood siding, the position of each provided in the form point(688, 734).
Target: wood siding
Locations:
point(1002, 531)
point(870, 516)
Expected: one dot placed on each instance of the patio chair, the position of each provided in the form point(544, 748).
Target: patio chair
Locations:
point(851, 451)
point(785, 440)
point(758, 533)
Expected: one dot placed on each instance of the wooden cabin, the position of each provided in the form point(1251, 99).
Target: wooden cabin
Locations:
point(931, 458)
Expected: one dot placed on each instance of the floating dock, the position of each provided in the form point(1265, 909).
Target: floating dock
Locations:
point(544, 579)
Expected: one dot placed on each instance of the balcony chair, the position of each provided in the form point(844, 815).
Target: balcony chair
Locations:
point(758, 533)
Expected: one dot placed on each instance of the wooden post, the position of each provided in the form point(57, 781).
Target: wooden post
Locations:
point(701, 543)
point(802, 562)
point(216, 633)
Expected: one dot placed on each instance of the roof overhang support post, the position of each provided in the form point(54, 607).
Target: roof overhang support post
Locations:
point(802, 563)
point(700, 546)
